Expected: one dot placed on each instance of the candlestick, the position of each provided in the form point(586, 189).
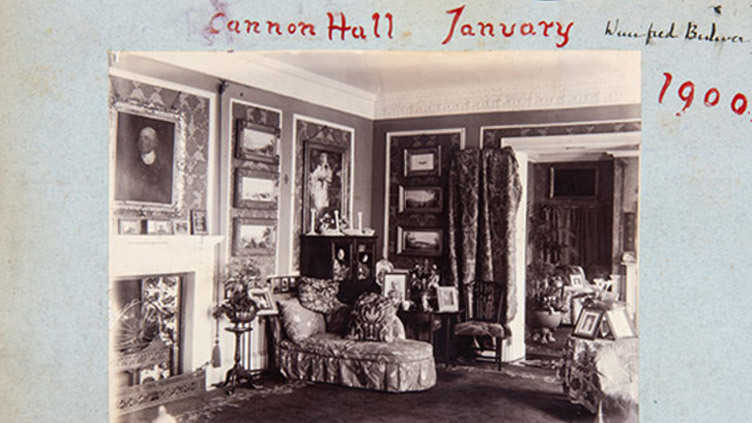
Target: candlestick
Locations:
point(313, 222)
point(336, 220)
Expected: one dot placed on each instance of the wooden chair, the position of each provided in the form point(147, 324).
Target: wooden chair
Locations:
point(484, 320)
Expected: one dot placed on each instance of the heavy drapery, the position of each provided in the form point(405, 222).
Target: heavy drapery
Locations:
point(484, 193)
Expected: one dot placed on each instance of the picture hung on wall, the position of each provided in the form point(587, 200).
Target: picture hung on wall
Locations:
point(325, 184)
point(395, 286)
point(158, 227)
point(198, 222)
point(588, 323)
point(253, 237)
point(130, 227)
point(420, 199)
point(148, 154)
point(263, 299)
point(255, 189)
point(419, 242)
point(256, 142)
point(422, 161)
point(447, 298)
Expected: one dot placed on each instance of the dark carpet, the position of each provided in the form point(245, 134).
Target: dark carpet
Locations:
point(461, 395)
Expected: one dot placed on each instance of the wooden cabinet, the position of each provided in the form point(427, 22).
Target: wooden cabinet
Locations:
point(349, 259)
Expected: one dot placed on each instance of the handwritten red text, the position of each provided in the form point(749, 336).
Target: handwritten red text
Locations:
point(492, 29)
point(711, 97)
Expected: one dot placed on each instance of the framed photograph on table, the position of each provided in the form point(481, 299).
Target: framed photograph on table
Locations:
point(619, 324)
point(422, 161)
point(264, 300)
point(130, 227)
point(255, 189)
point(158, 227)
point(448, 298)
point(256, 142)
point(253, 237)
point(419, 242)
point(420, 199)
point(588, 324)
point(395, 286)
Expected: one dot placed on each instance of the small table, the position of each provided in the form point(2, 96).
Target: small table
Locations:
point(237, 374)
point(419, 323)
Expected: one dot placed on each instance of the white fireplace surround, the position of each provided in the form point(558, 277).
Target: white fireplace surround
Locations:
point(194, 256)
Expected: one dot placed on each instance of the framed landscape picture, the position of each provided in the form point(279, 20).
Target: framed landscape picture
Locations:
point(420, 199)
point(253, 237)
point(422, 161)
point(325, 182)
point(256, 142)
point(255, 189)
point(419, 242)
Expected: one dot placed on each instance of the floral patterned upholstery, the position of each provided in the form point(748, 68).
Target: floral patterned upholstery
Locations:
point(319, 295)
point(401, 366)
point(372, 318)
point(299, 322)
point(478, 328)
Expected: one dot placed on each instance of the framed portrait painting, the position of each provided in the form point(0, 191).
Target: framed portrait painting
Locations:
point(325, 183)
point(253, 237)
point(148, 147)
point(256, 142)
point(419, 242)
point(255, 189)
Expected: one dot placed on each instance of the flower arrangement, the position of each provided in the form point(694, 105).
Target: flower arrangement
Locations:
point(545, 288)
point(238, 305)
point(424, 277)
point(327, 222)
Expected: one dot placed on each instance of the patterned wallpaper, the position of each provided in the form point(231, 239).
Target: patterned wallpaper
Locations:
point(270, 118)
point(450, 144)
point(194, 111)
point(322, 134)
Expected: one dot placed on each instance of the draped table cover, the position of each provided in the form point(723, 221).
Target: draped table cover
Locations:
point(602, 375)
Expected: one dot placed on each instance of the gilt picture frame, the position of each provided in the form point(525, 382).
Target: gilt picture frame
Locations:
point(420, 199)
point(256, 189)
point(420, 241)
point(253, 237)
point(422, 161)
point(325, 182)
point(256, 142)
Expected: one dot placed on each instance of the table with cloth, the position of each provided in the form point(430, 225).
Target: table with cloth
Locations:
point(602, 375)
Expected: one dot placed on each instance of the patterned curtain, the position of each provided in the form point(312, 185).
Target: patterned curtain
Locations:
point(484, 192)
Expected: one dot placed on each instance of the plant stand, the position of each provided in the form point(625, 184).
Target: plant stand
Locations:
point(237, 374)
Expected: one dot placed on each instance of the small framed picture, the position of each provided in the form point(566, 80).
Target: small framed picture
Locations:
point(448, 299)
point(254, 237)
point(620, 324)
point(256, 142)
point(576, 279)
point(422, 161)
point(181, 227)
point(130, 227)
point(158, 227)
point(293, 283)
point(198, 222)
point(419, 242)
point(255, 189)
point(264, 300)
point(588, 324)
point(395, 286)
point(420, 199)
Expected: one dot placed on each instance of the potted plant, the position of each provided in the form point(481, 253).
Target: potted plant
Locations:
point(423, 279)
point(238, 306)
point(545, 298)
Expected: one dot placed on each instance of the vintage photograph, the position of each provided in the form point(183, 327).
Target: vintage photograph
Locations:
point(501, 187)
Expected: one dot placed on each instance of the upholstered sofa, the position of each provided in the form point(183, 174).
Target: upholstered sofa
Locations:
point(324, 344)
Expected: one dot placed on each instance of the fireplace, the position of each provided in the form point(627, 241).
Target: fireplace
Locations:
point(161, 327)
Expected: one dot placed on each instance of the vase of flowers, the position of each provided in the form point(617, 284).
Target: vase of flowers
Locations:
point(545, 297)
point(424, 279)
